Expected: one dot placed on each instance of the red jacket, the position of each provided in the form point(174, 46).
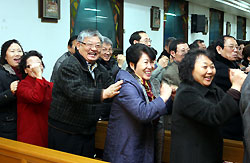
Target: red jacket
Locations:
point(33, 102)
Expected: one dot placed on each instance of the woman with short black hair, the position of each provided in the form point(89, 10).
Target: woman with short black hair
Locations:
point(135, 112)
point(199, 109)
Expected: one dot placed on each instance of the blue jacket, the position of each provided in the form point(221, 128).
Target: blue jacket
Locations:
point(130, 133)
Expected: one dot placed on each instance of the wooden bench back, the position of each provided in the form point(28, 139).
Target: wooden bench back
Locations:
point(17, 152)
point(232, 150)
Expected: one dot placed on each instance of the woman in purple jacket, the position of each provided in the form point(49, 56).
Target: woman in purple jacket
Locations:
point(136, 110)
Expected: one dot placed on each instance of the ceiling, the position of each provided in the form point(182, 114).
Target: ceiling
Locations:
point(223, 7)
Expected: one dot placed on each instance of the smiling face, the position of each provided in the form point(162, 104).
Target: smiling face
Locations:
point(106, 52)
point(90, 48)
point(13, 55)
point(204, 70)
point(144, 67)
point(31, 63)
point(181, 51)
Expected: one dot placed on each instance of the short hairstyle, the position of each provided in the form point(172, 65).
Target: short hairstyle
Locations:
point(23, 62)
point(135, 36)
point(106, 40)
point(246, 54)
point(4, 49)
point(220, 41)
point(195, 44)
point(117, 51)
point(134, 53)
point(169, 40)
point(89, 33)
point(186, 66)
point(174, 43)
point(72, 38)
point(239, 42)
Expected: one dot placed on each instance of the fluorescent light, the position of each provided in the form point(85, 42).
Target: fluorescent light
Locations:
point(170, 14)
point(244, 5)
point(91, 9)
point(102, 17)
point(233, 5)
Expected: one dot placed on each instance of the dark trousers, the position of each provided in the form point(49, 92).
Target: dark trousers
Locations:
point(83, 145)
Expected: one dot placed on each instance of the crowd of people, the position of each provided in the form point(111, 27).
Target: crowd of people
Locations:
point(199, 93)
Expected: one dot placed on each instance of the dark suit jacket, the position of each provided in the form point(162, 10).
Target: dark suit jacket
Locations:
point(245, 112)
point(198, 113)
point(76, 96)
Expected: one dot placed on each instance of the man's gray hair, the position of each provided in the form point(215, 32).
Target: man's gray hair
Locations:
point(89, 33)
point(106, 40)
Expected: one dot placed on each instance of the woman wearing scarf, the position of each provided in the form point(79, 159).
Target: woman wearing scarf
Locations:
point(135, 112)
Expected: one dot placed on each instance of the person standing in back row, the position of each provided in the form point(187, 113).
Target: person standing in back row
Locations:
point(71, 50)
point(226, 54)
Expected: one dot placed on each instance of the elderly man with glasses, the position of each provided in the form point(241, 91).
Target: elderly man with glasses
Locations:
point(80, 87)
point(226, 49)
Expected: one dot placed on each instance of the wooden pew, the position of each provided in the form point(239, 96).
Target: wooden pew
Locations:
point(232, 150)
point(18, 152)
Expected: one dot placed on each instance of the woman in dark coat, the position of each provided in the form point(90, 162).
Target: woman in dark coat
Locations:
point(199, 109)
point(136, 110)
point(11, 53)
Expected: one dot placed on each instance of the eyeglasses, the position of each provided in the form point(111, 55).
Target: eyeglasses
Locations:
point(183, 51)
point(34, 64)
point(104, 50)
point(233, 47)
point(89, 45)
point(146, 41)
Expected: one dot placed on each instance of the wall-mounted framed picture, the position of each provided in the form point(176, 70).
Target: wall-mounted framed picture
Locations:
point(49, 10)
point(228, 28)
point(155, 18)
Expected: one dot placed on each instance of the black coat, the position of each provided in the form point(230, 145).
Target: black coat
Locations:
point(113, 68)
point(221, 77)
point(8, 105)
point(233, 128)
point(198, 113)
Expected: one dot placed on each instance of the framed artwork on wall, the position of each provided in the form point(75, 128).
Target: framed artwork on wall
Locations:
point(228, 28)
point(155, 15)
point(49, 10)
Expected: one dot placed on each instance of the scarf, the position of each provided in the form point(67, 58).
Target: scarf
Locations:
point(146, 84)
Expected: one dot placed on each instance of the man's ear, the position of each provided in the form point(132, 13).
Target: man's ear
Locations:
point(78, 44)
point(135, 42)
point(132, 65)
point(219, 49)
point(172, 53)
